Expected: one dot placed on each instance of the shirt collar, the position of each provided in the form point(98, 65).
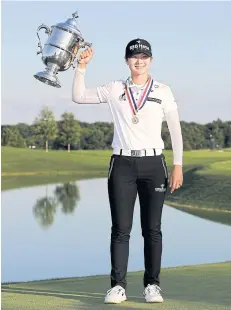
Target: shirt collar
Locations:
point(129, 83)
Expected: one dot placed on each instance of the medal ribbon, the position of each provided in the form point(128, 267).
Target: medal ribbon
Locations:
point(142, 99)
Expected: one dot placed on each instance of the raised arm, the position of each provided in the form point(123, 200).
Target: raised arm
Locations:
point(81, 94)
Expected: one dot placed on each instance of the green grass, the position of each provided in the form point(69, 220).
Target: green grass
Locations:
point(24, 162)
point(223, 168)
point(13, 182)
point(204, 190)
point(184, 288)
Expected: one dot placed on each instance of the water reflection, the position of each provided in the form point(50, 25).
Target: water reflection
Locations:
point(44, 211)
point(59, 245)
point(64, 196)
point(67, 196)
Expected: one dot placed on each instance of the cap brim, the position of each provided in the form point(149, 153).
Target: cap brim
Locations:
point(139, 52)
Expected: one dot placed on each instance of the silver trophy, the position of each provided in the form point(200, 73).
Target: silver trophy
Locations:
point(60, 49)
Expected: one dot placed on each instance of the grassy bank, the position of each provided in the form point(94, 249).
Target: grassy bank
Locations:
point(26, 162)
point(210, 190)
point(184, 288)
point(207, 175)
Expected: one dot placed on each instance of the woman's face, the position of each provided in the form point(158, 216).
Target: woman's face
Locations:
point(139, 64)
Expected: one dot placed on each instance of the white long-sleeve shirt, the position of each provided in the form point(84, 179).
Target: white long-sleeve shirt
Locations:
point(146, 134)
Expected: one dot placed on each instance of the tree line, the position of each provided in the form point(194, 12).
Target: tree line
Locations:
point(70, 134)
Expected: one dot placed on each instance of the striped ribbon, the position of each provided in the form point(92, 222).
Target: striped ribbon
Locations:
point(136, 107)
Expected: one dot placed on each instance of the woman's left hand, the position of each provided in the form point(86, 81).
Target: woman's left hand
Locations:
point(176, 178)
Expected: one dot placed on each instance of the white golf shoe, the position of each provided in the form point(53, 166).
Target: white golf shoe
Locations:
point(115, 295)
point(152, 293)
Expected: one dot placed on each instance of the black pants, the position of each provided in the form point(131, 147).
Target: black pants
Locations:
point(148, 177)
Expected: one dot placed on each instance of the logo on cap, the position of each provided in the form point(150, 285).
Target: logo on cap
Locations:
point(139, 47)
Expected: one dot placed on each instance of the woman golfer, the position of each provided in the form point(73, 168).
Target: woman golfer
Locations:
point(138, 106)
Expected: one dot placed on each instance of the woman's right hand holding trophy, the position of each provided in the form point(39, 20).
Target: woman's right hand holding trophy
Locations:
point(84, 57)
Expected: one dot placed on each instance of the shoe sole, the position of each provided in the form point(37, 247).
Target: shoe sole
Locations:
point(155, 301)
point(115, 302)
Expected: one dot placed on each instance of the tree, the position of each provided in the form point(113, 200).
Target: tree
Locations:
point(24, 130)
point(107, 130)
point(227, 134)
point(193, 136)
point(70, 130)
point(11, 137)
point(45, 126)
point(217, 129)
point(70, 133)
point(92, 139)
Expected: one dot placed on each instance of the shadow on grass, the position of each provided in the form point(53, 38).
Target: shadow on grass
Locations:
point(181, 292)
point(87, 300)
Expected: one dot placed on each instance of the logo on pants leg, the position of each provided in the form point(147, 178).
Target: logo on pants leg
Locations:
point(161, 188)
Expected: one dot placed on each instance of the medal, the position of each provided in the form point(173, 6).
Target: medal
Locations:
point(135, 119)
point(135, 108)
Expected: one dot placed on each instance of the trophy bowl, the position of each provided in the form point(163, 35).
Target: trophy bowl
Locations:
point(59, 51)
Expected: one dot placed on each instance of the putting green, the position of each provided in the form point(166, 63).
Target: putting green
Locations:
point(197, 287)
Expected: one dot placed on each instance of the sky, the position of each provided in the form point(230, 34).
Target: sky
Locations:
point(191, 48)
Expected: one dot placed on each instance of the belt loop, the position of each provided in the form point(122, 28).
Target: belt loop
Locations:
point(154, 152)
point(145, 152)
point(120, 151)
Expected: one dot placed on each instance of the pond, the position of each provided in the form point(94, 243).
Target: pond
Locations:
point(63, 230)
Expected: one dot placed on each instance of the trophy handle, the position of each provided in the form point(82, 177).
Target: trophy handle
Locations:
point(48, 31)
point(81, 45)
point(86, 44)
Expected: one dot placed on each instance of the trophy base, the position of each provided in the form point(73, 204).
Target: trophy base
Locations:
point(48, 79)
point(49, 76)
